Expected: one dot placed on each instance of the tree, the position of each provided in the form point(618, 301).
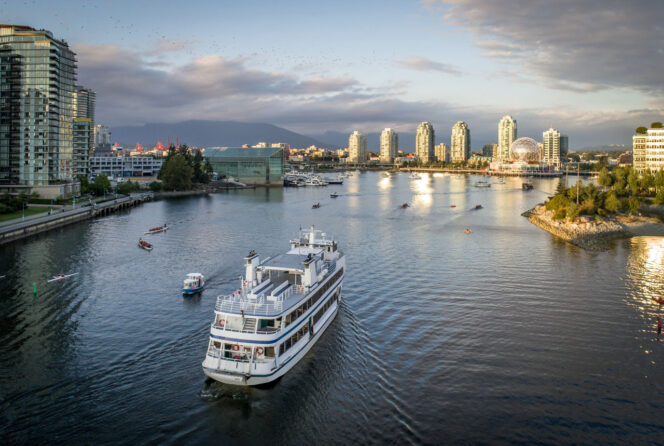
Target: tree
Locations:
point(126, 188)
point(101, 184)
point(605, 179)
point(659, 198)
point(85, 184)
point(156, 186)
point(641, 130)
point(200, 166)
point(556, 203)
point(561, 189)
point(572, 212)
point(659, 179)
point(633, 181)
point(656, 125)
point(611, 202)
point(176, 173)
point(632, 205)
point(647, 180)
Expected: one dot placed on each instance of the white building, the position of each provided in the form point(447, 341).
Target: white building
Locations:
point(389, 144)
point(648, 150)
point(442, 152)
point(424, 142)
point(506, 136)
point(460, 142)
point(125, 166)
point(551, 147)
point(639, 152)
point(357, 147)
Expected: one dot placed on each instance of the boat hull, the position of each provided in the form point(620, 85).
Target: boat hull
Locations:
point(239, 379)
point(192, 290)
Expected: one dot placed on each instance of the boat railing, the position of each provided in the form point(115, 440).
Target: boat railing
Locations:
point(239, 356)
point(259, 306)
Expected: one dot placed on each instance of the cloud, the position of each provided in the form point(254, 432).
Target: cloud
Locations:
point(132, 88)
point(424, 64)
point(132, 91)
point(568, 44)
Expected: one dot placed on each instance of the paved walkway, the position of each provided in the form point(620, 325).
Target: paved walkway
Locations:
point(18, 223)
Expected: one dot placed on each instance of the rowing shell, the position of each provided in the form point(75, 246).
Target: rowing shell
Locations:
point(56, 278)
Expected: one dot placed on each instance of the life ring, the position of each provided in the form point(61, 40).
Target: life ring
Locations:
point(221, 322)
point(236, 347)
point(259, 351)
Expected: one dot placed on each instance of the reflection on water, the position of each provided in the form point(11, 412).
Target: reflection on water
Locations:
point(505, 333)
point(645, 275)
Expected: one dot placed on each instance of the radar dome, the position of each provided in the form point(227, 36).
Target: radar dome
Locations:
point(524, 149)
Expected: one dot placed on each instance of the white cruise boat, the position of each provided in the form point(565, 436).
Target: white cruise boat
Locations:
point(282, 308)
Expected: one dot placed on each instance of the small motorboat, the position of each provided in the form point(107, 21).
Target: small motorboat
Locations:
point(405, 205)
point(145, 245)
point(467, 231)
point(334, 195)
point(478, 206)
point(61, 277)
point(482, 184)
point(526, 186)
point(158, 229)
point(453, 205)
point(193, 283)
point(315, 206)
point(414, 176)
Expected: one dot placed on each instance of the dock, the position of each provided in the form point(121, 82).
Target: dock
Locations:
point(34, 226)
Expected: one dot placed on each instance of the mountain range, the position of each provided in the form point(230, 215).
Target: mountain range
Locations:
point(198, 133)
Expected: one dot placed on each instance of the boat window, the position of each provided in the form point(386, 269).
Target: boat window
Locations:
point(269, 352)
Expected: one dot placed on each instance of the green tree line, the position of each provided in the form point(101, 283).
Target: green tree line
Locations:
point(621, 190)
point(182, 169)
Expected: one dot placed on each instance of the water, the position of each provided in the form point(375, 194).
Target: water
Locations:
point(502, 335)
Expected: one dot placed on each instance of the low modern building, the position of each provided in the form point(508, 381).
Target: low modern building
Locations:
point(125, 166)
point(256, 166)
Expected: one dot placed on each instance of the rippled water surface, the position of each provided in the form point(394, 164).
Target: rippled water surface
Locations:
point(502, 335)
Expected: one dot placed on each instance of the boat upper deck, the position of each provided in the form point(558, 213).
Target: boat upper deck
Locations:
point(276, 284)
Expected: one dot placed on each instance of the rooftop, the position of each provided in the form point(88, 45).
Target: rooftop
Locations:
point(241, 152)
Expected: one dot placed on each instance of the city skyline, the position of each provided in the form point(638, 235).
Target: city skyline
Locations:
point(340, 80)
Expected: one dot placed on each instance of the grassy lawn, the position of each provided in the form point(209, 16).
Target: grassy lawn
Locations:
point(18, 214)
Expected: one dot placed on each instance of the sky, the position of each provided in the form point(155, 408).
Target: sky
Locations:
point(591, 69)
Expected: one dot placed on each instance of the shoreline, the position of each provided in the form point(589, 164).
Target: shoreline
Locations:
point(593, 235)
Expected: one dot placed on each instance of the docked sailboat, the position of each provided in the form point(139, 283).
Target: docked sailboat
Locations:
point(284, 305)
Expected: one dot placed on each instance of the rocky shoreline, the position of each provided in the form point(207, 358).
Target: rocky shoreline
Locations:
point(594, 235)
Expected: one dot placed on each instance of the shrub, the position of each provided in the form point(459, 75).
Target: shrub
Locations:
point(559, 214)
point(556, 203)
point(572, 212)
point(156, 186)
point(659, 198)
point(631, 205)
point(588, 207)
point(611, 202)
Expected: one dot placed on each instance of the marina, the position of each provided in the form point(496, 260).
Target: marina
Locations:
point(501, 325)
